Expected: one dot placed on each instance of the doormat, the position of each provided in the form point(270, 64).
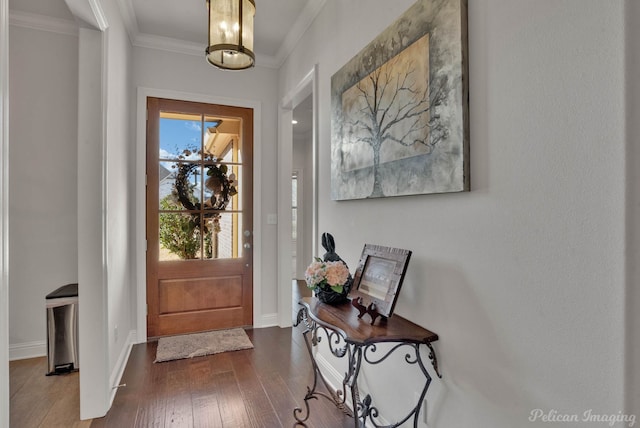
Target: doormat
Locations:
point(200, 344)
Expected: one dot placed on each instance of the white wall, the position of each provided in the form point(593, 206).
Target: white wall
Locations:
point(42, 194)
point(46, 231)
point(120, 160)
point(633, 208)
point(105, 161)
point(167, 71)
point(92, 270)
point(4, 213)
point(523, 278)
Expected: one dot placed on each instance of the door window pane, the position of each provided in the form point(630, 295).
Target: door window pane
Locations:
point(179, 132)
point(224, 240)
point(180, 236)
point(200, 170)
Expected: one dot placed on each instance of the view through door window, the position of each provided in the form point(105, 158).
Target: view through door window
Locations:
point(200, 164)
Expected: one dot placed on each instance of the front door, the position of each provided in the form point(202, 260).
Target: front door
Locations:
point(199, 217)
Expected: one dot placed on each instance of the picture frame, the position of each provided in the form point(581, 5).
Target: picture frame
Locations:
point(400, 108)
point(378, 279)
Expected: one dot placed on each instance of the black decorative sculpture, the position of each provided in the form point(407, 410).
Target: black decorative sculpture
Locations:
point(327, 295)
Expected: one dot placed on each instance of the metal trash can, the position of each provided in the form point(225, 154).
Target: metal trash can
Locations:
point(62, 330)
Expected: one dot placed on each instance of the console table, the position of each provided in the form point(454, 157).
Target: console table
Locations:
point(357, 340)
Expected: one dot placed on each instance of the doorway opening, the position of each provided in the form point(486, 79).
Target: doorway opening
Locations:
point(302, 179)
point(305, 93)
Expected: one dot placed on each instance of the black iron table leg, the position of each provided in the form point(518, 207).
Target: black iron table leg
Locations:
point(336, 397)
point(342, 344)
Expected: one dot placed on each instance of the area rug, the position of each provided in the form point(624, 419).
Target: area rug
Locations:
point(200, 344)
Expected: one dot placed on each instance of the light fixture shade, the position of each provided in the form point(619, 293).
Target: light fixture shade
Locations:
point(231, 34)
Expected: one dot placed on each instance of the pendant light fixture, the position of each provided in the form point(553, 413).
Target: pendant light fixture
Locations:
point(231, 34)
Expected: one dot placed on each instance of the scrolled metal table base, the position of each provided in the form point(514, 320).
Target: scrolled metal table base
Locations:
point(355, 353)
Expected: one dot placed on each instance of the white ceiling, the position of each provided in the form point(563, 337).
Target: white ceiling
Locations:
point(181, 25)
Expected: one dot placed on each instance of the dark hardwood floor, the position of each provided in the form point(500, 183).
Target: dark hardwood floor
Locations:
point(256, 387)
point(40, 401)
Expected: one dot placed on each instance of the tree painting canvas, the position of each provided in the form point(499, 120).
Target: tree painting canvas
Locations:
point(400, 108)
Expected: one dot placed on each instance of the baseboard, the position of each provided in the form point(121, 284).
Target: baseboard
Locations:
point(22, 351)
point(268, 320)
point(118, 370)
point(334, 378)
point(330, 373)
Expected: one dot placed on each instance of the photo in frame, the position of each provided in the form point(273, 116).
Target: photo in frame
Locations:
point(378, 278)
point(399, 108)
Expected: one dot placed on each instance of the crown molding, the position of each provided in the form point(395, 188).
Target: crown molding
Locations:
point(43, 23)
point(302, 24)
point(184, 47)
point(89, 13)
point(98, 14)
point(169, 44)
point(129, 18)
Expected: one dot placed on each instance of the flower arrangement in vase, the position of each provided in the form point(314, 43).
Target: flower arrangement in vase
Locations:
point(329, 279)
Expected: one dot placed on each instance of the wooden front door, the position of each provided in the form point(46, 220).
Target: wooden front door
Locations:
point(199, 217)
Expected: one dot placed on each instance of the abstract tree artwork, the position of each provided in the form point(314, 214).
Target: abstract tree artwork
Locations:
point(400, 109)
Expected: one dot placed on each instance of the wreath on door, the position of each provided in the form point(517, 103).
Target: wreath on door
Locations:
point(221, 185)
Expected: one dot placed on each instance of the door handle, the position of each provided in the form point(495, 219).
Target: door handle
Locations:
point(247, 245)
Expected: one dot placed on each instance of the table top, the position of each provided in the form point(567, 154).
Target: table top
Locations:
point(344, 317)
